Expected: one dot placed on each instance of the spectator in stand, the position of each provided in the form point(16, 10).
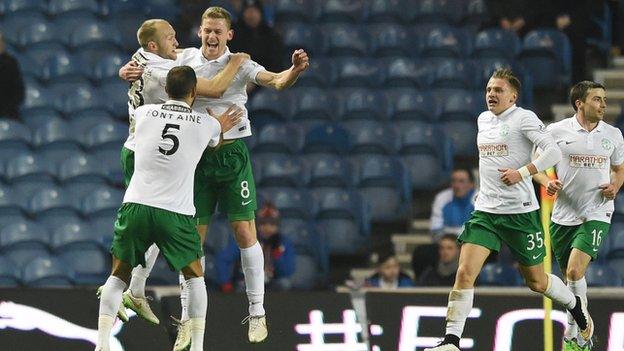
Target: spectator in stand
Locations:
point(279, 256)
point(453, 206)
point(389, 274)
point(443, 273)
point(254, 36)
point(11, 83)
point(513, 15)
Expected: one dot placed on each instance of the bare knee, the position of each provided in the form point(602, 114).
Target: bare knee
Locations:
point(465, 277)
point(537, 283)
point(574, 272)
point(245, 233)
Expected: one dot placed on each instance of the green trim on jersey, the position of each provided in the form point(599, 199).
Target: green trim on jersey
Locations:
point(139, 226)
point(224, 176)
point(127, 165)
point(586, 237)
point(521, 232)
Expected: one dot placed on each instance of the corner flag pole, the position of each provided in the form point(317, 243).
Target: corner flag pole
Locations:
point(547, 203)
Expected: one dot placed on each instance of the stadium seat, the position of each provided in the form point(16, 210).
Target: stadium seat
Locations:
point(13, 23)
point(355, 72)
point(24, 235)
point(435, 11)
point(40, 99)
point(341, 204)
point(218, 236)
point(464, 137)
point(47, 272)
point(330, 171)
point(495, 274)
point(362, 104)
point(427, 155)
point(475, 13)
point(9, 202)
point(307, 241)
point(269, 105)
point(80, 167)
point(57, 7)
point(95, 35)
point(279, 138)
point(407, 73)
point(294, 11)
point(616, 240)
point(292, 203)
point(54, 134)
point(102, 202)
point(340, 11)
point(546, 53)
point(412, 105)
point(442, 42)
point(116, 95)
point(300, 36)
point(9, 273)
point(306, 273)
point(123, 7)
point(602, 275)
point(78, 191)
point(372, 137)
point(453, 74)
point(31, 70)
point(127, 26)
point(50, 202)
point(29, 167)
point(496, 43)
point(52, 223)
point(74, 235)
point(458, 105)
point(7, 218)
point(22, 256)
point(106, 134)
point(327, 138)
point(37, 117)
point(81, 122)
point(283, 170)
point(344, 40)
point(14, 6)
point(64, 68)
point(427, 171)
point(42, 52)
point(389, 40)
point(24, 189)
point(107, 67)
point(317, 75)
point(37, 33)
point(312, 105)
point(109, 159)
point(343, 236)
point(385, 11)
point(13, 135)
point(617, 265)
point(167, 9)
point(93, 273)
point(72, 20)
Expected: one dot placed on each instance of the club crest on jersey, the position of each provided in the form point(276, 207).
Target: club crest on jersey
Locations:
point(493, 150)
point(589, 161)
point(607, 144)
point(504, 131)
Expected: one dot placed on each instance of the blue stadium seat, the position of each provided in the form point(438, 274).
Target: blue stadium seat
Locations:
point(427, 154)
point(279, 138)
point(306, 273)
point(435, 11)
point(24, 235)
point(57, 7)
point(292, 203)
point(463, 134)
point(74, 235)
point(167, 9)
point(37, 33)
point(7, 218)
point(407, 73)
point(269, 106)
point(72, 20)
point(475, 13)
point(9, 203)
point(64, 68)
point(385, 11)
point(362, 104)
point(384, 184)
point(53, 134)
point(29, 167)
point(106, 134)
point(31, 70)
point(412, 105)
point(344, 236)
point(496, 43)
point(53, 223)
point(327, 138)
point(12, 24)
point(123, 7)
point(307, 241)
point(24, 189)
point(37, 117)
point(22, 256)
point(93, 273)
point(294, 11)
point(102, 202)
point(81, 122)
point(42, 52)
point(458, 105)
point(47, 272)
point(389, 40)
point(40, 99)
point(282, 170)
point(107, 67)
point(356, 72)
point(109, 159)
point(341, 11)
point(79, 191)
point(13, 6)
point(546, 53)
point(372, 137)
point(442, 42)
point(617, 265)
point(330, 171)
point(317, 75)
point(80, 167)
point(115, 93)
point(602, 275)
point(13, 135)
point(495, 274)
point(9, 273)
point(218, 236)
point(103, 228)
point(95, 35)
point(344, 40)
point(341, 204)
point(454, 74)
point(300, 36)
point(127, 26)
point(84, 99)
point(616, 240)
point(50, 202)
point(313, 105)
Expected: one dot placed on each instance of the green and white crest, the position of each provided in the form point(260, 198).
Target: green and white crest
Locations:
point(607, 144)
point(504, 131)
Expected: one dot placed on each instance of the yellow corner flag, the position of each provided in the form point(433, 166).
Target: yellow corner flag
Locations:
point(547, 203)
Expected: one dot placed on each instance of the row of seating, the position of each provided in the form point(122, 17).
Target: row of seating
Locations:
point(112, 8)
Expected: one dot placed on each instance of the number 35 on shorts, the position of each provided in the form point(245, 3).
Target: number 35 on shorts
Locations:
point(535, 240)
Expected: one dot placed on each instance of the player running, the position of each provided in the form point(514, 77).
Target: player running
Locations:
point(158, 204)
point(590, 175)
point(506, 210)
point(149, 68)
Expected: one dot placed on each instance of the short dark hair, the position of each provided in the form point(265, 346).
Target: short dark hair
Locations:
point(448, 236)
point(180, 82)
point(467, 170)
point(508, 75)
point(581, 89)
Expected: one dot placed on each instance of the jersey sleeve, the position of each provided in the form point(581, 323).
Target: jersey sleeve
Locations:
point(184, 57)
point(250, 70)
point(213, 130)
point(617, 157)
point(535, 130)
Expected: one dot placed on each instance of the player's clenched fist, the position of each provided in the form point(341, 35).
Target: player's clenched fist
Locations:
point(553, 187)
point(300, 60)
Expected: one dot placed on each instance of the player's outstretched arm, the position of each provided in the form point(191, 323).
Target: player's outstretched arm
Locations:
point(131, 71)
point(287, 78)
point(217, 85)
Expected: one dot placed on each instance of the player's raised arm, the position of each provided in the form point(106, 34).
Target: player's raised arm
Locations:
point(131, 71)
point(217, 85)
point(287, 78)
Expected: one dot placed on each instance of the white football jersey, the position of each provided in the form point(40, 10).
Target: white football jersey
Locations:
point(506, 141)
point(170, 139)
point(236, 93)
point(586, 163)
point(150, 88)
